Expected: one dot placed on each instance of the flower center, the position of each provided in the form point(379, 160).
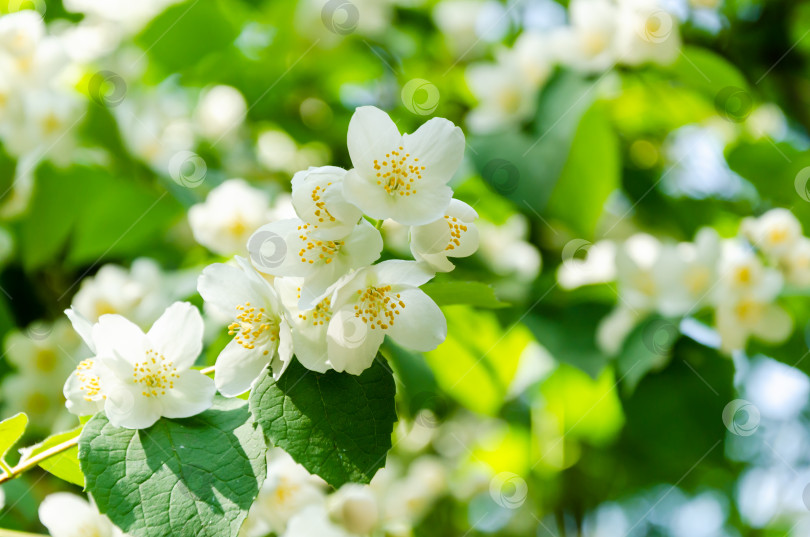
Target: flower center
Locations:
point(778, 235)
point(320, 314)
point(456, 229)
point(748, 311)
point(321, 211)
point(155, 374)
point(317, 250)
point(377, 306)
point(88, 381)
point(253, 326)
point(397, 172)
point(45, 360)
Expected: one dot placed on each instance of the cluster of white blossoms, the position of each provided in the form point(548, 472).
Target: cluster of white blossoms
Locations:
point(309, 287)
point(600, 35)
point(740, 279)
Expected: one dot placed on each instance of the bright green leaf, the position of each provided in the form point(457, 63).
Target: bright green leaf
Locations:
point(11, 429)
point(64, 465)
point(336, 425)
point(475, 294)
point(182, 477)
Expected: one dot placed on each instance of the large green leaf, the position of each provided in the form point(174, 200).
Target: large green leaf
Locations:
point(647, 347)
point(181, 477)
point(336, 425)
point(64, 465)
point(11, 429)
point(476, 294)
point(708, 72)
point(589, 176)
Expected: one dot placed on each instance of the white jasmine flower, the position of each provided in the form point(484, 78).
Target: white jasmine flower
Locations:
point(741, 273)
point(221, 110)
point(261, 333)
point(308, 326)
point(82, 390)
point(635, 272)
point(402, 177)
point(598, 266)
point(288, 489)
point(614, 328)
point(797, 263)
point(317, 195)
point(355, 507)
point(229, 215)
point(775, 233)
point(740, 317)
point(69, 515)
point(589, 44)
point(313, 520)
point(44, 350)
point(453, 235)
point(150, 374)
point(381, 300)
point(647, 33)
point(686, 273)
point(294, 248)
point(505, 248)
point(505, 96)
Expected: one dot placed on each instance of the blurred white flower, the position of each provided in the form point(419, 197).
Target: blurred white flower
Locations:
point(589, 44)
point(614, 328)
point(775, 233)
point(69, 515)
point(128, 16)
point(636, 263)
point(313, 520)
point(228, 217)
point(381, 300)
point(598, 266)
point(797, 263)
point(261, 333)
point(408, 499)
point(278, 152)
point(287, 491)
point(402, 177)
point(505, 249)
point(139, 294)
point(147, 376)
point(220, 111)
point(453, 235)
point(686, 274)
point(647, 33)
point(469, 26)
point(355, 507)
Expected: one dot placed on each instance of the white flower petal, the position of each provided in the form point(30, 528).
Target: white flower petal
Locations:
point(192, 394)
point(82, 326)
point(126, 407)
point(371, 134)
point(439, 145)
point(399, 272)
point(115, 335)
point(178, 334)
point(351, 344)
point(225, 287)
point(237, 367)
point(421, 324)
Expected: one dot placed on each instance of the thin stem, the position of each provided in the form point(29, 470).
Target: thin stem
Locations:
point(27, 464)
point(12, 533)
point(207, 370)
point(379, 223)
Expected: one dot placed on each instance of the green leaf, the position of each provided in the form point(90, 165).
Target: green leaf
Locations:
point(64, 465)
point(11, 429)
point(589, 176)
point(182, 477)
point(647, 347)
point(336, 425)
point(706, 71)
point(475, 294)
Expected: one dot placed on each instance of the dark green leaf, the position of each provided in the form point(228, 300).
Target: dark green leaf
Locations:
point(475, 294)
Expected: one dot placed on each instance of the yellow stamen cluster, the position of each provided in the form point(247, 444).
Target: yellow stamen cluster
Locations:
point(251, 326)
point(156, 374)
point(320, 314)
point(316, 249)
point(456, 229)
point(397, 172)
point(321, 210)
point(377, 306)
point(89, 383)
